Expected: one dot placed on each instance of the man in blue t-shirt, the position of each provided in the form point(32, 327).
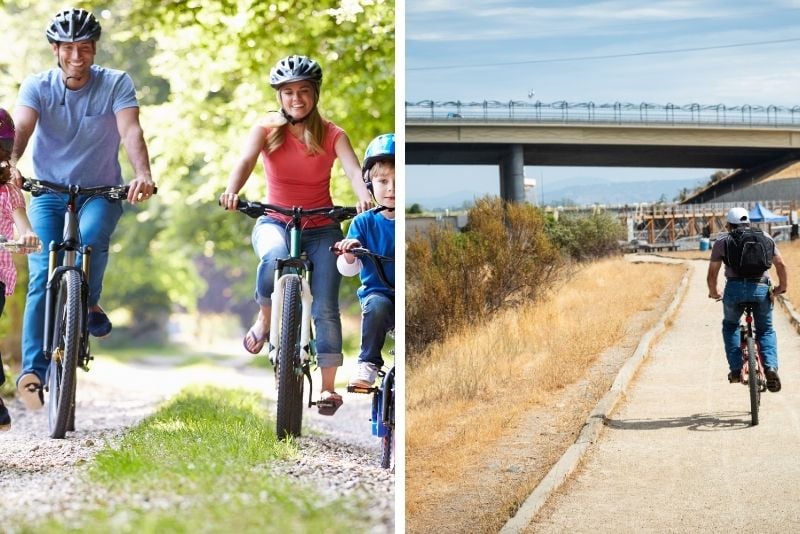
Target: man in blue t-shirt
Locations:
point(79, 113)
point(373, 230)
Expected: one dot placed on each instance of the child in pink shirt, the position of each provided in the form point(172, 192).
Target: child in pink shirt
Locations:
point(12, 213)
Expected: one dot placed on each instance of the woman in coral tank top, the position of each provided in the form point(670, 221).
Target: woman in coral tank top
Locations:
point(298, 148)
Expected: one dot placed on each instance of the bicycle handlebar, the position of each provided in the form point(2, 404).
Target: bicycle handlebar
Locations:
point(376, 259)
point(257, 209)
point(110, 192)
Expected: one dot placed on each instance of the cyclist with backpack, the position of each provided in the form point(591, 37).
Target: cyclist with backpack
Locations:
point(748, 255)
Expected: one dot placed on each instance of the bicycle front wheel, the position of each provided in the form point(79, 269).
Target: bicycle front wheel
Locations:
point(290, 373)
point(752, 380)
point(67, 325)
point(387, 416)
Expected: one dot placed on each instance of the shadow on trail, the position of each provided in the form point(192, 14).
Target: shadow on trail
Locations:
point(703, 422)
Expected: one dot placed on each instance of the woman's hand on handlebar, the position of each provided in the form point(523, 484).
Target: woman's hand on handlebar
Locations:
point(364, 204)
point(141, 188)
point(229, 201)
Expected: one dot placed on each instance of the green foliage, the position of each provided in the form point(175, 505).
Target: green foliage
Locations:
point(584, 238)
point(201, 71)
point(414, 209)
point(455, 279)
point(217, 447)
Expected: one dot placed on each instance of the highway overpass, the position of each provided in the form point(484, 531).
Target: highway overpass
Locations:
point(755, 140)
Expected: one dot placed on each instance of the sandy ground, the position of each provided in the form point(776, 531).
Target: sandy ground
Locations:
point(679, 454)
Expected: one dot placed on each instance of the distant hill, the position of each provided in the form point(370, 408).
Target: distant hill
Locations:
point(578, 191)
point(608, 192)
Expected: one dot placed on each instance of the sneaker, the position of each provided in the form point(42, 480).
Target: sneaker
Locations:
point(5, 419)
point(98, 324)
point(773, 380)
point(29, 388)
point(734, 377)
point(365, 376)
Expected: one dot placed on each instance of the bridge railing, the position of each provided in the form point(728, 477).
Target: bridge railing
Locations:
point(563, 112)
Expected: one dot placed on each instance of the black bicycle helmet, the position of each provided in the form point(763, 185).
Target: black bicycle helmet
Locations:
point(72, 25)
point(295, 69)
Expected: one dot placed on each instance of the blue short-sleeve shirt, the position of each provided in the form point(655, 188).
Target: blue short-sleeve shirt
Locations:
point(78, 142)
point(376, 233)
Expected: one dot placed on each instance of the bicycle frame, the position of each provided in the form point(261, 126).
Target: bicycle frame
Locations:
point(70, 245)
point(746, 331)
point(66, 331)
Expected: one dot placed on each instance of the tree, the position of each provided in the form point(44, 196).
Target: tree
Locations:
point(414, 209)
point(201, 70)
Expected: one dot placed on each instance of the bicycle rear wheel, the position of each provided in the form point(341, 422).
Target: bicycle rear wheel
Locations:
point(752, 380)
point(290, 375)
point(62, 377)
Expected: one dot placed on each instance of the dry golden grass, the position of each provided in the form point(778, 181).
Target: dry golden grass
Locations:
point(473, 387)
point(791, 257)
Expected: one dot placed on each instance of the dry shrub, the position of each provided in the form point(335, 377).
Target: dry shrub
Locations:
point(456, 279)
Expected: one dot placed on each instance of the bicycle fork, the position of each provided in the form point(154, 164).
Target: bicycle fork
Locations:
point(277, 317)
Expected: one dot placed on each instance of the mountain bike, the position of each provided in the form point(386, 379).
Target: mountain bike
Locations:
point(383, 396)
point(292, 349)
point(751, 359)
point(66, 336)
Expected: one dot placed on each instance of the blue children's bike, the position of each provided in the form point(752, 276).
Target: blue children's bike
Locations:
point(383, 405)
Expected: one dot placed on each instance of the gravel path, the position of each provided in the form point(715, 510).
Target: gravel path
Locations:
point(338, 455)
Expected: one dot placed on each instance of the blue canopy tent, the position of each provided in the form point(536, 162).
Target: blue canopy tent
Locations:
point(762, 214)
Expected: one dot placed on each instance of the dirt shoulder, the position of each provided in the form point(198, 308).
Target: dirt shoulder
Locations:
point(499, 480)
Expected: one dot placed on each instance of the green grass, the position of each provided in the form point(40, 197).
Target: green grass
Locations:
point(206, 457)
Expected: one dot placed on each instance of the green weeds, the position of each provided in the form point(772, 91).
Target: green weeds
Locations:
point(203, 464)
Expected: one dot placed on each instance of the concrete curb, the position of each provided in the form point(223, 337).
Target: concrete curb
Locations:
point(794, 317)
point(570, 460)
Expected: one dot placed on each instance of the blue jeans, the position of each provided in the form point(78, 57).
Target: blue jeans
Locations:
point(98, 219)
point(270, 243)
point(377, 318)
point(737, 291)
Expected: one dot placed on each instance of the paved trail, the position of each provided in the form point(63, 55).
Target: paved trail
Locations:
point(679, 454)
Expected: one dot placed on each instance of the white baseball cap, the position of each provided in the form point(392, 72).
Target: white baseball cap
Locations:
point(738, 216)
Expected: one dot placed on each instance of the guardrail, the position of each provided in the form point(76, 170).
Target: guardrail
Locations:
point(563, 112)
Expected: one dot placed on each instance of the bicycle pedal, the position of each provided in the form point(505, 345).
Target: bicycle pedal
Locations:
point(361, 389)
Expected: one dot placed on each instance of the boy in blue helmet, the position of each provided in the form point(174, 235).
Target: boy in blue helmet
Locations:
point(374, 230)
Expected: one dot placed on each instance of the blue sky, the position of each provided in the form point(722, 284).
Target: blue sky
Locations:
point(473, 50)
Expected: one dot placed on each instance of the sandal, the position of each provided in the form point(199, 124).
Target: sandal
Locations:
point(329, 402)
point(252, 343)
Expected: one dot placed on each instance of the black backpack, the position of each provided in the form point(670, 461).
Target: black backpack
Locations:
point(748, 252)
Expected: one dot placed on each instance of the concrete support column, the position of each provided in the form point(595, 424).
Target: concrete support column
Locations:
point(512, 175)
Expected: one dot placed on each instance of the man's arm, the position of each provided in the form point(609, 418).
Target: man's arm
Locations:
point(25, 119)
point(142, 185)
point(711, 279)
point(783, 279)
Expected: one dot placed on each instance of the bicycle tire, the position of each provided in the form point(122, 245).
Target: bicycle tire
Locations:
point(387, 419)
point(752, 380)
point(64, 356)
point(290, 376)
